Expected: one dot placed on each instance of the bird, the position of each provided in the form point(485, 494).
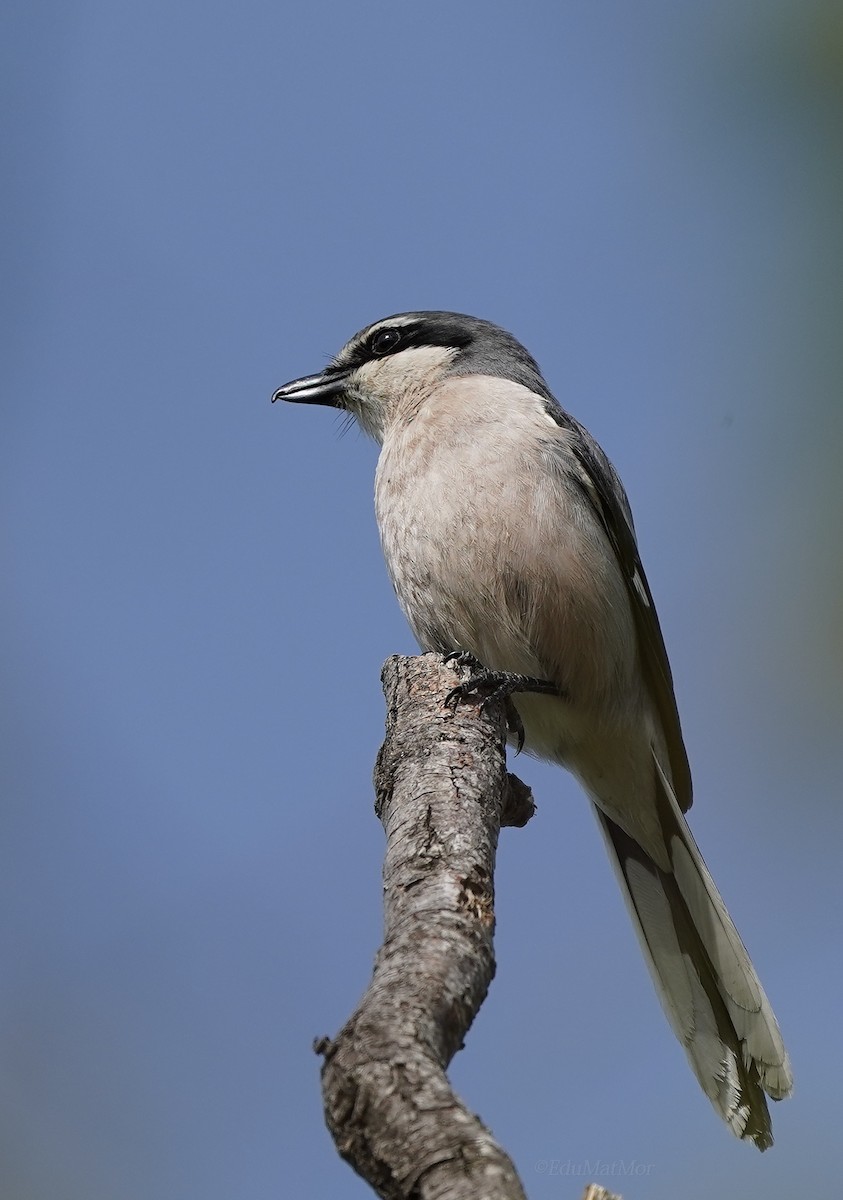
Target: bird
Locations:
point(509, 541)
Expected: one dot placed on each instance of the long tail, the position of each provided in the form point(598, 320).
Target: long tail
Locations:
point(704, 978)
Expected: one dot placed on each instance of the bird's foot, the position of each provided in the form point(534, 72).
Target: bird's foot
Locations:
point(500, 686)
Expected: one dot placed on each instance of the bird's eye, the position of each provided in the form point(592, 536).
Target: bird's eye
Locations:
point(384, 341)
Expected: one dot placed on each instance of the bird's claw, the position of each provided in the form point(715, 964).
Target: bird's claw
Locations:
point(501, 686)
point(514, 724)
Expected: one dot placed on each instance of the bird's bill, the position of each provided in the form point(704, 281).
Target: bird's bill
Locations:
point(326, 388)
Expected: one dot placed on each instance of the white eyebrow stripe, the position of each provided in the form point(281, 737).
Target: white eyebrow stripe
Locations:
point(392, 323)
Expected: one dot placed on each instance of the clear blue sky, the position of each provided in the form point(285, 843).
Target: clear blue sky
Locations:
point(205, 200)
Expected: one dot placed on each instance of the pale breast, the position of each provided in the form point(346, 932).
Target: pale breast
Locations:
point(492, 552)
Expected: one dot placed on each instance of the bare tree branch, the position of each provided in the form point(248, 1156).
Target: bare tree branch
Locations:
point(442, 793)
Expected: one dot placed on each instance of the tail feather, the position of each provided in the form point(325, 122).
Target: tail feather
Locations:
point(703, 975)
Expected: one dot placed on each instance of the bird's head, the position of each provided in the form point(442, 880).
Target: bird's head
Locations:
point(390, 368)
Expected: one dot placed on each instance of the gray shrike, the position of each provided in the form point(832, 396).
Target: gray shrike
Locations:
point(509, 541)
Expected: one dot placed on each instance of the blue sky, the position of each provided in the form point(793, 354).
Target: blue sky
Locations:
point(203, 201)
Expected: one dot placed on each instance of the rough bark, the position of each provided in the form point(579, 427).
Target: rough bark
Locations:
point(443, 793)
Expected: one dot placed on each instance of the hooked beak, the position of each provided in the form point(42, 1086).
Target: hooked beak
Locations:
point(326, 388)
